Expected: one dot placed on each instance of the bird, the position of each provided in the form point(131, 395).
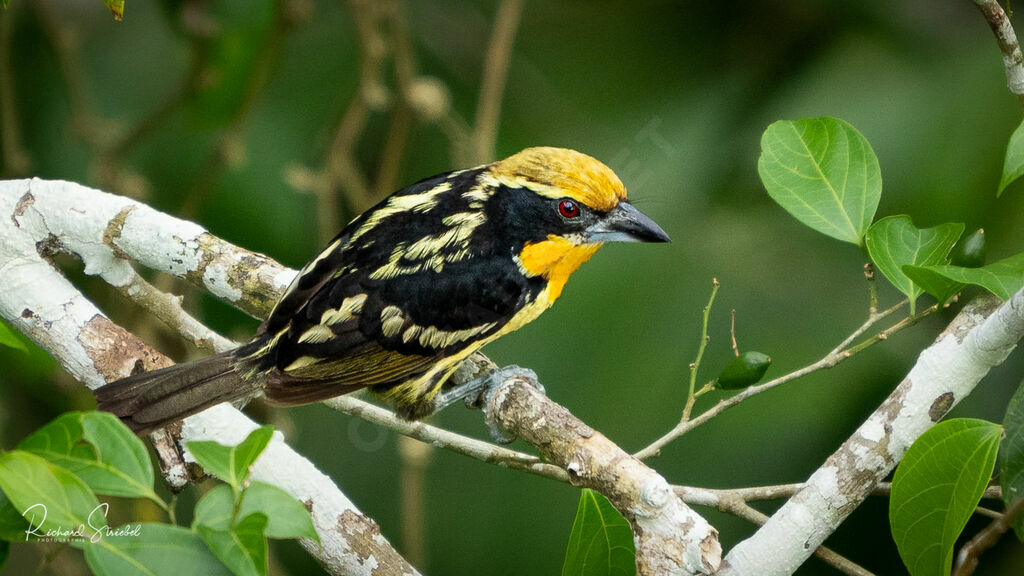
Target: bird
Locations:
point(408, 290)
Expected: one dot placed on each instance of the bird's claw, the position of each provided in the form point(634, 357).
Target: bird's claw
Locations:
point(478, 393)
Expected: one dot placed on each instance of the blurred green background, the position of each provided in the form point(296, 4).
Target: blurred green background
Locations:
point(226, 112)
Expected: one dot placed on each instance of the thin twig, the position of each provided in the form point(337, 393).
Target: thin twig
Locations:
point(828, 361)
point(168, 309)
point(967, 558)
point(441, 438)
point(342, 172)
point(499, 53)
point(871, 321)
point(691, 397)
point(732, 333)
point(713, 496)
point(869, 275)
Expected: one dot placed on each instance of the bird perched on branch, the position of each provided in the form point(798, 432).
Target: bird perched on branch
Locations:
point(410, 289)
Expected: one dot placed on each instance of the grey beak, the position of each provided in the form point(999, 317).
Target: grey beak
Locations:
point(625, 224)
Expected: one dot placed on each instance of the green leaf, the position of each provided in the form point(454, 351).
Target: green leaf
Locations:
point(601, 542)
point(936, 488)
point(214, 509)
point(116, 8)
point(1013, 166)
point(243, 549)
point(824, 173)
point(932, 282)
point(1011, 455)
point(894, 242)
point(288, 518)
point(48, 496)
point(12, 523)
point(231, 463)
point(1003, 278)
point(100, 450)
point(5, 551)
point(157, 550)
point(9, 336)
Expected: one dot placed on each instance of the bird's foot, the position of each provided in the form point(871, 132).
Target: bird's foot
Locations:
point(478, 392)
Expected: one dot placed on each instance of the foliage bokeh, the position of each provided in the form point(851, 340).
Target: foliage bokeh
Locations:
point(243, 100)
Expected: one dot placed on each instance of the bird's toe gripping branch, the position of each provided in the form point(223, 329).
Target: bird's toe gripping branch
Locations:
point(477, 393)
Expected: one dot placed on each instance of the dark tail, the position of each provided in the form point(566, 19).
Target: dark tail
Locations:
point(155, 399)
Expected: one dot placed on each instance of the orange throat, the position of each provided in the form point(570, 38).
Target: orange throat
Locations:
point(555, 259)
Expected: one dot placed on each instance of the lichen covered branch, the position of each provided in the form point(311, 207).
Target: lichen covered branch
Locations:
point(670, 538)
point(39, 218)
point(979, 338)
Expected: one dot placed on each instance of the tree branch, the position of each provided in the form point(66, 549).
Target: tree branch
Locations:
point(670, 538)
point(103, 229)
point(38, 218)
point(1013, 59)
point(979, 338)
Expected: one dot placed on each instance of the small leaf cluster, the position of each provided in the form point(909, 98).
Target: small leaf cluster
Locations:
point(49, 487)
point(235, 519)
point(825, 174)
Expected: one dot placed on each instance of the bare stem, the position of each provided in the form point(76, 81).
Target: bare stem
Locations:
point(828, 361)
point(869, 275)
point(402, 116)
point(441, 438)
point(967, 558)
point(691, 396)
point(499, 53)
point(732, 333)
point(871, 321)
point(343, 174)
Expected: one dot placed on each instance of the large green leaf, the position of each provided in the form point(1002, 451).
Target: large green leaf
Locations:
point(824, 173)
point(243, 548)
point(894, 242)
point(100, 450)
point(48, 496)
point(1013, 166)
point(1003, 278)
point(288, 518)
point(1011, 455)
point(231, 463)
point(157, 550)
point(936, 489)
point(601, 542)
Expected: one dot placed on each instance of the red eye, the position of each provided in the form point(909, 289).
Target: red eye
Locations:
point(568, 209)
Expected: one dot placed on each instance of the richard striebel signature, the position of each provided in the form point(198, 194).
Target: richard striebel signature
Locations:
point(94, 529)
